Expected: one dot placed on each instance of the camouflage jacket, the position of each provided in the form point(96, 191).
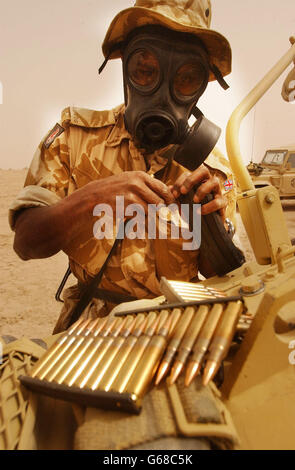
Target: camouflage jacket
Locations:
point(88, 145)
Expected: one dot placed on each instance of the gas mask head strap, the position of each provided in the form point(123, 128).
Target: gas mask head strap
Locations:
point(218, 75)
point(121, 45)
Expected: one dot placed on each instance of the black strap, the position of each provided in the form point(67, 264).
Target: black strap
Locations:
point(112, 296)
point(90, 289)
point(113, 49)
point(218, 75)
point(223, 255)
point(197, 113)
point(62, 284)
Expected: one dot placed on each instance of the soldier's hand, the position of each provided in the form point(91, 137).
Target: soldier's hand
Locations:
point(207, 184)
point(137, 187)
point(43, 231)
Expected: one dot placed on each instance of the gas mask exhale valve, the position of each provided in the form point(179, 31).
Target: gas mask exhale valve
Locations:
point(155, 130)
point(164, 77)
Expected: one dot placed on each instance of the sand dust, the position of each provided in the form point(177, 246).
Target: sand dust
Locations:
point(27, 304)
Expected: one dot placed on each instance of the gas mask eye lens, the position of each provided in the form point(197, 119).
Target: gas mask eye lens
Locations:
point(189, 79)
point(143, 69)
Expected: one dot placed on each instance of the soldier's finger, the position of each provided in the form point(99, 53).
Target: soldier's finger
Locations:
point(176, 188)
point(219, 204)
point(150, 197)
point(210, 186)
point(201, 174)
point(160, 189)
point(136, 201)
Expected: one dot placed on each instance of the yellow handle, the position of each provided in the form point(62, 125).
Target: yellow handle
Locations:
point(234, 123)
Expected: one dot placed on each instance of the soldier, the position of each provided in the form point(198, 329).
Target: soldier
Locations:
point(169, 55)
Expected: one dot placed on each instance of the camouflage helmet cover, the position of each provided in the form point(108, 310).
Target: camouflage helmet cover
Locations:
point(188, 16)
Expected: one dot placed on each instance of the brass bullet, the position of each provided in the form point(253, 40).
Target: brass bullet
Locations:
point(191, 296)
point(98, 349)
point(115, 342)
point(79, 367)
point(55, 346)
point(78, 333)
point(188, 342)
point(136, 353)
point(151, 323)
point(222, 339)
point(210, 370)
point(191, 372)
point(125, 349)
point(80, 352)
point(148, 364)
point(164, 314)
point(197, 289)
point(163, 370)
point(175, 342)
point(217, 292)
point(194, 291)
point(202, 343)
point(175, 372)
point(175, 316)
point(67, 359)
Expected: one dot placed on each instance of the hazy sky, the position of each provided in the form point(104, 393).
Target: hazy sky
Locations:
point(50, 52)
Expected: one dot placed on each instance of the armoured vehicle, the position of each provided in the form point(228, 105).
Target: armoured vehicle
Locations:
point(256, 399)
point(277, 168)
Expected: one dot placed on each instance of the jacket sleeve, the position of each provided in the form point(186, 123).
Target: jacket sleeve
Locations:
point(48, 177)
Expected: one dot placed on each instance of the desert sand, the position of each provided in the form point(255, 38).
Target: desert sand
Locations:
point(27, 304)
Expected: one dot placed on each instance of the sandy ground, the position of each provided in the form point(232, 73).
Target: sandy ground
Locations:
point(27, 304)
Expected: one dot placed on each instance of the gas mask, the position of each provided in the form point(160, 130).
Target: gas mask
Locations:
point(165, 74)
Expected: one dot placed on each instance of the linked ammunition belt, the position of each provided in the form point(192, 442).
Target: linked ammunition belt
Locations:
point(111, 362)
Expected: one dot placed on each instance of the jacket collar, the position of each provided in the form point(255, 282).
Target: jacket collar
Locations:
point(154, 161)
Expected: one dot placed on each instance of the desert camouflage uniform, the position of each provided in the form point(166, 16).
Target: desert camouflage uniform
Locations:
point(92, 145)
point(186, 16)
